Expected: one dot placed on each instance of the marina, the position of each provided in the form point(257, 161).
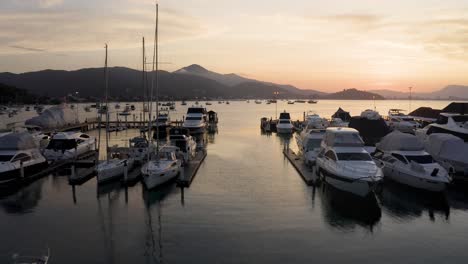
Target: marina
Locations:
point(261, 176)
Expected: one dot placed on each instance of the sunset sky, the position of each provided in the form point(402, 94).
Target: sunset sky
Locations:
point(325, 45)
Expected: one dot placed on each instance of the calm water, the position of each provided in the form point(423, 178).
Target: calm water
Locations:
point(246, 205)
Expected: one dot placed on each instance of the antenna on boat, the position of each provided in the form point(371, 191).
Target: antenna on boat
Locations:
point(155, 72)
point(107, 104)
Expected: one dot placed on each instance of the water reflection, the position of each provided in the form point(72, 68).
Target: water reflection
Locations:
point(345, 211)
point(406, 203)
point(153, 236)
point(22, 199)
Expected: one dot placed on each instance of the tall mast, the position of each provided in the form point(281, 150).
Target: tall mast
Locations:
point(155, 63)
point(143, 78)
point(107, 105)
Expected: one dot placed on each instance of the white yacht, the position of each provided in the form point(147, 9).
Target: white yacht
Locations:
point(195, 120)
point(69, 145)
point(308, 142)
point(161, 168)
point(184, 142)
point(258, 101)
point(396, 120)
point(284, 125)
point(405, 161)
point(16, 150)
point(449, 123)
point(162, 124)
point(345, 164)
point(139, 148)
point(450, 152)
point(314, 121)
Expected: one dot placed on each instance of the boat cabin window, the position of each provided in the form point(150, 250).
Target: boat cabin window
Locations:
point(313, 143)
point(84, 136)
point(460, 118)
point(284, 122)
point(5, 158)
point(354, 156)
point(196, 111)
point(442, 120)
point(62, 144)
point(193, 118)
point(21, 157)
point(330, 155)
point(421, 159)
point(400, 158)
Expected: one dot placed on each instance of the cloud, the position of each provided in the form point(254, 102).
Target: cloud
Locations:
point(27, 48)
point(49, 3)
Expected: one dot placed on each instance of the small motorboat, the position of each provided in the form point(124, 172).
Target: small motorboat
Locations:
point(69, 145)
point(405, 161)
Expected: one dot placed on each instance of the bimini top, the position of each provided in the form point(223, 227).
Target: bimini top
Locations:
point(342, 137)
point(398, 141)
point(17, 141)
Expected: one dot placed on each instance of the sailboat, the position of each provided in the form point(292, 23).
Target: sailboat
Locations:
point(111, 168)
point(162, 166)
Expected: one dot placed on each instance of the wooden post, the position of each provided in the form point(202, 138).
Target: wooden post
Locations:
point(22, 169)
point(125, 171)
point(73, 171)
point(303, 117)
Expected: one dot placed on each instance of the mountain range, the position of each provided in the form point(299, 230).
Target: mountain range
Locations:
point(189, 82)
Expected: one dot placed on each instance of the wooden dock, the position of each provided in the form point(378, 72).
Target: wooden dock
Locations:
point(189, 171)
point(306, 173)
point(80, 175)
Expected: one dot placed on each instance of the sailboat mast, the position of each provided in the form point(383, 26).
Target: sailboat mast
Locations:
point(107, 106)
point(156, 63)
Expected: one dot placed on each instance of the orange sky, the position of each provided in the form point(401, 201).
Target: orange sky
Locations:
point(324, 45)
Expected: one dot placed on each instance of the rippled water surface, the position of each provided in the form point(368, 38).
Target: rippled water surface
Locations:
point(247, 204)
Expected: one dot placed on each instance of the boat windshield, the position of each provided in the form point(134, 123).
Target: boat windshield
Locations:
point(421, 159)
point(196, 110)
point(354, 156)
point(313, 143)
point(4, 158)
point(193, 118)
point(284, 121)
point(62, 144)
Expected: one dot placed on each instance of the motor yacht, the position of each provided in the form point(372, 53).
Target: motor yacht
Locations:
point(163, 167)
point(139, 148)
point(308, 142)
point(344, 163)
point(186, 144)
point(195, 120)
point(284, 125)
point(258, 101)
point(405, 161)
point(314, 121)
point(448, 123)
point(161, 124)
point(396, 120)
point(69, 145)
point(450, 152)
point(19, 150)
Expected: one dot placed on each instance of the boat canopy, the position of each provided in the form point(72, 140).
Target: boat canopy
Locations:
point(459, 108)
point(54, 117)
point(342, 114)
point(400, 142)
point(447, 147)
point(17, 141)
point(343, 140)
point(371, 131)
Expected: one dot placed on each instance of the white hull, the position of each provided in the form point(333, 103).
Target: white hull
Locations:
point(54, 155)
point(357, 187)
point(154, 180)
point(284, 130)
point(414, 181)
point(113, 169)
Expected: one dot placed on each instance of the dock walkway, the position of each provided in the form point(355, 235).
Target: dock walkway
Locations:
point(307, 174)
point(189, 171)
